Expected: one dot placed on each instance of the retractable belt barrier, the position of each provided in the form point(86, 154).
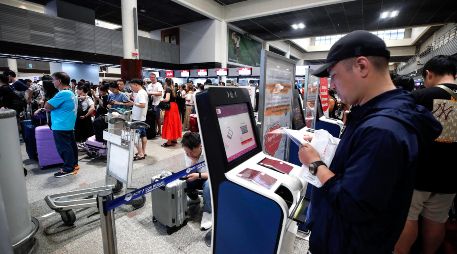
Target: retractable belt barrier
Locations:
point(112, 204)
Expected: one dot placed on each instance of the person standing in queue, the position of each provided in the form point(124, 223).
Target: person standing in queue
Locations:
point(155, 91)
point(172, 126)
point(435, 185)
point(139, 111)
point(364, 200)
point(63, 107)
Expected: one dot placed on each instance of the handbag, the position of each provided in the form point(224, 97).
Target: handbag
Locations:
point(444, 111)
point(164, 105)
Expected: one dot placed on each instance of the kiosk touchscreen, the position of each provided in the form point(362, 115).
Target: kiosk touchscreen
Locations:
point(254, 195)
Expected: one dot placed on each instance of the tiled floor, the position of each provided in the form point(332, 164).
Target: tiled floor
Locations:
point(136, 233)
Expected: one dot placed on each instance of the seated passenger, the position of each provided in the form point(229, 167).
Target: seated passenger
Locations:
point(117, 99)
point(197, 181)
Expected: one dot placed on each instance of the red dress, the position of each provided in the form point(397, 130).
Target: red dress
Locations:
point(172, 126)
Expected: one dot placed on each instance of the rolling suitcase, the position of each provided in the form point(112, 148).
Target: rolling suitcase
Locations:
point(169, 204)
point(193, 123)
point(46, 148)
point(95, 148)
point(28, 134)
point(151, 132)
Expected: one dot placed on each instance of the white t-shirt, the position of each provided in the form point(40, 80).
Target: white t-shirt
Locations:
point(157, 87)
point(190, 99)
point(139, 114)
point(86, 103)
point(188, 162)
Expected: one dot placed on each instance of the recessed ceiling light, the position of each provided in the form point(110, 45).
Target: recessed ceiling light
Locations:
point(393, 14)
point(298, 26)
point(389, 14)
point(142, 10)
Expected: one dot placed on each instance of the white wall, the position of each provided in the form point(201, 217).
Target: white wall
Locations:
point(76, 71)
point(155, 35)
point(198, 42)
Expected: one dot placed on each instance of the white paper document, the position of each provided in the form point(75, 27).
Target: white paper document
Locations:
point(326, 145)
point(295, 135)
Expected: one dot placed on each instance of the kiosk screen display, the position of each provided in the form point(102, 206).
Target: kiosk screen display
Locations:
point(236, 130)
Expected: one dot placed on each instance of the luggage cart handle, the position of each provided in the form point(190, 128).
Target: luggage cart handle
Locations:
point(137, 125)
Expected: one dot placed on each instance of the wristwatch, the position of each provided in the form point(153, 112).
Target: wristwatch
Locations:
point(314, 166)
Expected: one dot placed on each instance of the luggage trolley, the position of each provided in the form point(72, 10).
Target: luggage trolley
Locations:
point(121, 138)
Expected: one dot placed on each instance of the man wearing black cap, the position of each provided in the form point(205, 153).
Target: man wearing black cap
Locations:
point(363, 203)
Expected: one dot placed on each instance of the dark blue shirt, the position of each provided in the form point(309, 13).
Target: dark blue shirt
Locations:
point(363, 208)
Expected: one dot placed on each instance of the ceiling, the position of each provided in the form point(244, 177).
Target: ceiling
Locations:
point(349, 16)
point(228, 2)
point(152, 15)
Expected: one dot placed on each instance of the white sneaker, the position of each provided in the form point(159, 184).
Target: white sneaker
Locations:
point(207, 221)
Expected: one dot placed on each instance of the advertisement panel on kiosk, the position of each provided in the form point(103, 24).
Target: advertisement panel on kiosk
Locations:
point(275, 101)
point(249, 188)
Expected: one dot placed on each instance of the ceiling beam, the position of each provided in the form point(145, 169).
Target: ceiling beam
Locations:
point(208, 8)
point(394, 52)
point(253, 9)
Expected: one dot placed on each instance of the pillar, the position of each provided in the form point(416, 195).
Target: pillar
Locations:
point(12, 65)
point(223, 47)
point(288, 52)
point(130, 64)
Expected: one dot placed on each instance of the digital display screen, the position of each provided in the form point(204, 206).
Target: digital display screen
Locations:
point(202, 72)
point(221, 72)
point(184, 73)
point(244, 71)
point(236, 130)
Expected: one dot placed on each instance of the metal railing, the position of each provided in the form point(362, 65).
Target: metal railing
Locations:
point(446, 44)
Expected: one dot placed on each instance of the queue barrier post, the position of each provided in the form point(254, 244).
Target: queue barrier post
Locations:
point(108, 225)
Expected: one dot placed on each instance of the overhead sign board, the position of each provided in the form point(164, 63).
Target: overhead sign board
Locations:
point(244, 71)
point(202, 72)
point(221, 72)
point(185, 73)
point(169, 73)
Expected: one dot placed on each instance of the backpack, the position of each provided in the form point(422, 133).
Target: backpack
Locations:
point(445, 111)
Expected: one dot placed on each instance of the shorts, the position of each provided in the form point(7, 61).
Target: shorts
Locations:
point(433, 206)
point(141, 131)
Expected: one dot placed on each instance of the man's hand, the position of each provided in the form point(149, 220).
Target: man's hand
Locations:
point(192, 177)
point(308, 154)
point(82, 117)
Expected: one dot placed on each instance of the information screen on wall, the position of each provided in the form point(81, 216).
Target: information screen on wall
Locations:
point(276, 96)
point(169, 73)
point(244, 71)
point(202, 72)
point(221, 72)
point(242, 49)
point(185, 73)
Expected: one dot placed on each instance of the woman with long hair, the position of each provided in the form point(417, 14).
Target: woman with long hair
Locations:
point(172, 126)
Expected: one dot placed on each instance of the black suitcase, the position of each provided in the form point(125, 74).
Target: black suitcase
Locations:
point(28, 134)
point(151, 132)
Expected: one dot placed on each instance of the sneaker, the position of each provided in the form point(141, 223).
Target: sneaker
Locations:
point(207, 221)
point(62, 173)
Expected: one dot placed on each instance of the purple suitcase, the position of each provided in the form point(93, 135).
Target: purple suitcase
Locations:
point(94, 148)
point(46, 147)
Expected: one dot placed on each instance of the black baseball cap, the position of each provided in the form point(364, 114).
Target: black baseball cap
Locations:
point(354, 44)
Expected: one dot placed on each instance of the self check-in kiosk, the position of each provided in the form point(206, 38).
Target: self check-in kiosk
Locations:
point(255, 196)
